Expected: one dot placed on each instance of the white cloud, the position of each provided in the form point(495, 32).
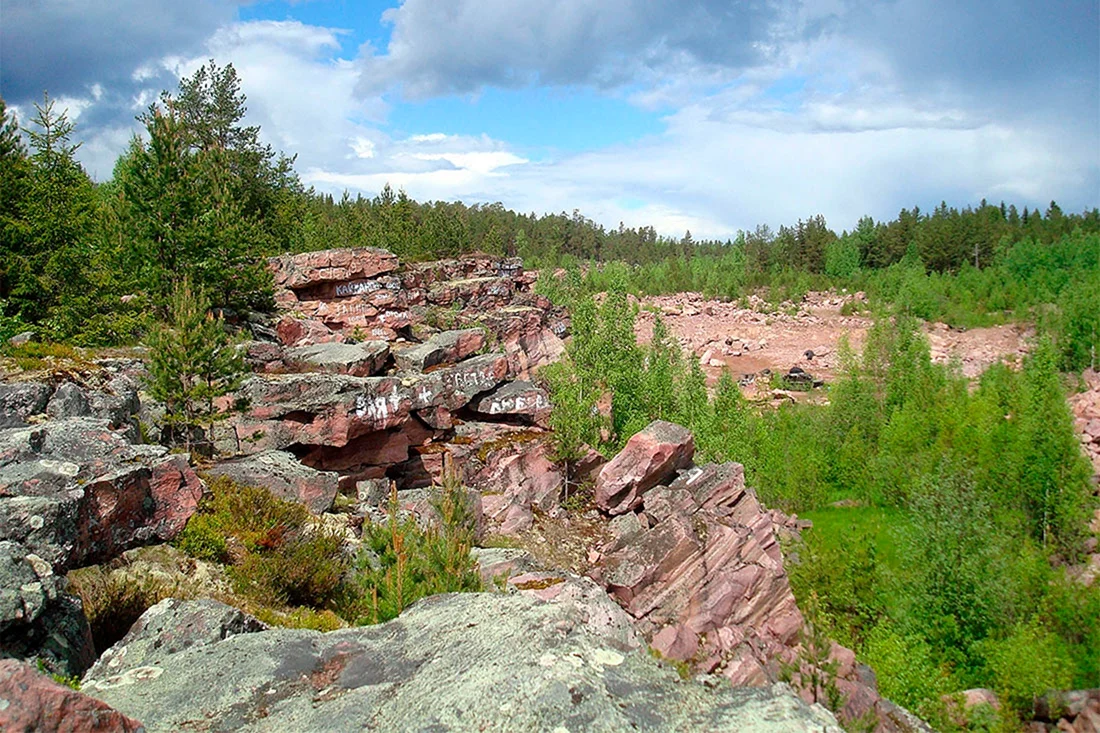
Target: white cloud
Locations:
point(362, 147)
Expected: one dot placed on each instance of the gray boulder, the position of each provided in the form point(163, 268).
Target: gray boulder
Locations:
point(463, 662)
point(70, 400)
point(19, 401)
point(359, 360)
point(37, 620)
point(169, 627)
point(280, 473)
point(74, 491)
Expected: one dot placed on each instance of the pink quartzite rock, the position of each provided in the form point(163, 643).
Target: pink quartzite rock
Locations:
point(331, 265)
point(31, 701)
point(299, 332)
point(76, 492)
point(515, 399)
point(447, 347)
point(650, 457)
point(358, 360)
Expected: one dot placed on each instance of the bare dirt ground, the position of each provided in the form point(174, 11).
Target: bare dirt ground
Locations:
point(750, 340)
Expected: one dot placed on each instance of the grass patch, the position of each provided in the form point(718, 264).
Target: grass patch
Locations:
point(880, 524)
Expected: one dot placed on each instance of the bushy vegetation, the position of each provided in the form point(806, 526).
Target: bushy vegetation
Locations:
point(402, 563)
point(282, 560)
point(937, 571)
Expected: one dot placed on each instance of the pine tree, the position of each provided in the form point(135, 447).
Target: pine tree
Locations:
point(14, 174)
point(192, 363)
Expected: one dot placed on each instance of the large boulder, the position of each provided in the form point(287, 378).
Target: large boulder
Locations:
point(22, 400)
point(284, 476)
point(169, 627)
point(76, 492)
point(31, 701)
point(37, 620)
point(459, 662)
point(649, 457)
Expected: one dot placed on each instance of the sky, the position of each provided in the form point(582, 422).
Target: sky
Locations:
point(705, 115)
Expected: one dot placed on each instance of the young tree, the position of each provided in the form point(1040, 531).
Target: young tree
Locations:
point(192, 363)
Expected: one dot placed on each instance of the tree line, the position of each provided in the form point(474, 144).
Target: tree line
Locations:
point(199, 196)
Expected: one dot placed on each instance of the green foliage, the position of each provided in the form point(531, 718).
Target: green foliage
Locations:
point(402, 563)
point(278, 555)
point(842, 574)
point(1029, 662)
point(1053, 475)
point(192, 363)
point(71, 681)
point(906, 669)
point(249, 517)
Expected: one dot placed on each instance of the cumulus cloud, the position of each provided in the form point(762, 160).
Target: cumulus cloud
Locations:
point(772, 111)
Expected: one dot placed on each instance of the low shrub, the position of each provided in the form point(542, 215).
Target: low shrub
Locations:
point(113, 600)
point(401, 562)
point(277, 558)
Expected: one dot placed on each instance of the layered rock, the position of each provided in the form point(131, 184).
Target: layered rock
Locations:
point(356, 294)
point(332, 410)
point(462, 662)
point(696, 562)
point(358, 360)
point(649, 457)
point(76, 492)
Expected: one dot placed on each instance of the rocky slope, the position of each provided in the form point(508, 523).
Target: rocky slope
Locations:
point(469, 662)
point(375, 374)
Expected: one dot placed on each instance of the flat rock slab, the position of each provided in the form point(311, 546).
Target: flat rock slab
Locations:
point(514, 399)
point(284, 476)
point(446, 347)
point(359, 360)
point(457, 662)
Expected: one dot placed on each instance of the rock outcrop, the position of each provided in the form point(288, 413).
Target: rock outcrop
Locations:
point(696, 562)
point(31, 701)
point(285, 477)
point(37, 619)
point(76, 492)
point(465, 662)
point(1086, 413)
point(357, 294)
point(650, 456)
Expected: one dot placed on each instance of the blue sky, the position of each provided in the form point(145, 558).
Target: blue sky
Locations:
point(709, 115)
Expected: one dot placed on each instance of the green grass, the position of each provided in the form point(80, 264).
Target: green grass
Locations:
point(834, 524)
